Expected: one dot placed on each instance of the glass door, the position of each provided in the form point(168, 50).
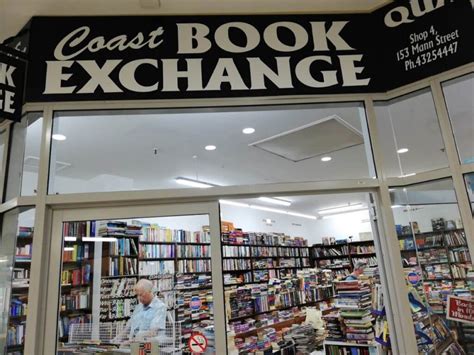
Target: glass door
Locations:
point(128, 279)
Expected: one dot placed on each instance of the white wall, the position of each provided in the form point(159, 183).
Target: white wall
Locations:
point(424, 214)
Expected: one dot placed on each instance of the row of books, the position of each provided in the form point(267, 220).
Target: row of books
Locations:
point(235, 251)
point(123, 247)
point(155, 233)
point(264, 251)
point(21, 273)
point(236, 279)
point(17, 308)
point(187, 266)
point(156, 267)
point(193, 251)
point(189, 281)
point(119, 266)
point(79, 252)
point(148, 251)
point(362, 249)
point(371, 261)
point(237, 264)
point(460, 254)
point(16, 334)
point(117, 308)
point(162, 283)
point(239, 237)
point(76, 299)
point(116, 288)
point(76, 277)
point(111, 228)
point(65, 322)
point(319, 252)
point(79, 229)
point(432, 256)
point(23, 252)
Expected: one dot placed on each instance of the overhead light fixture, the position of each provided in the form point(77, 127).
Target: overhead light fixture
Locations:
point(210, 147)
point(248, 130)
point(266, 209)
point(342, 214)
point(70, 239)
point(99, 239)
point(333, 210)
point(407, 175)
point(275, 201)
point(402, 150)
point(326, 159)
point(68, 249)
point(59, 137)
point(234, 203)
point(192, 183)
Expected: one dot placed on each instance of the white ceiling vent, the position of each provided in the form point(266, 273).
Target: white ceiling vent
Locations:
point(317, 138)
point(31, 163)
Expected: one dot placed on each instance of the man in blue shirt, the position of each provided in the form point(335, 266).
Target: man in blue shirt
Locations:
point(149, 316)
point(359, 268)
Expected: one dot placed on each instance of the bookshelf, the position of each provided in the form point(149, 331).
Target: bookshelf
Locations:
point(342, 257)
point(249, 258)
point(19, 291)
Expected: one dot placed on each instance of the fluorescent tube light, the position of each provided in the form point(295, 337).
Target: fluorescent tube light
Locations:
point(59, 137)
point(234, 203)
point(302, 215)
point(341, 214)
point(397, 206)
point(68, 249)
point(333, 210)
point(402, 150)
point(275, 201)
point(192, 183)
point(70, 239)
point(99, 239)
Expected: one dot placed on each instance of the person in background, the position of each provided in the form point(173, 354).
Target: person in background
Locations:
point(149, 316)
point(359, 268)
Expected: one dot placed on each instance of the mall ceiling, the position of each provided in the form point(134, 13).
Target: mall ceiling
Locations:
point(14, 14)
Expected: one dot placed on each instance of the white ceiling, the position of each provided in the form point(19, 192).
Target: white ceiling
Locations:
point(15, 13)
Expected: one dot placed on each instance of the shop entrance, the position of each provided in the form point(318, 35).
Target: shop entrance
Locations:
point(135, 277)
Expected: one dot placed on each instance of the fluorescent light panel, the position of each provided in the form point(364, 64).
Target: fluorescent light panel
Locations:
point(192, 183)
point(276, 201)
point(266, 209)
point(333, 210)
point(68, 249)
point(70, 239)
point(99, 239)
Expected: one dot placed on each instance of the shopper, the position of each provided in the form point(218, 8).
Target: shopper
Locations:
point(359, 268)
point(149, 316)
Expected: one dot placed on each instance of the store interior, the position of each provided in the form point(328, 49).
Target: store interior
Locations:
point(285, 260)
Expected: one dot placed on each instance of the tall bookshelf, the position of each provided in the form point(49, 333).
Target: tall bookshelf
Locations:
point(342, 257)
point(19, 293)
point(442, 259)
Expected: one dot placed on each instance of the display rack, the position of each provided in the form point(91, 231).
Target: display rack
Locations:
point(19, 292)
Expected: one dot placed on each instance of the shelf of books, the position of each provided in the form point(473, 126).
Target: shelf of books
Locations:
point(176, 261)
point(342, 256)
point(19, 295)
point(442, 261)
point(269, 283)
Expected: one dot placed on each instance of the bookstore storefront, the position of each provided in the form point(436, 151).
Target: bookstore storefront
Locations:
point(239, 184)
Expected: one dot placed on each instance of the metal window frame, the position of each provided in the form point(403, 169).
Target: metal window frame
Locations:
point(48, 207)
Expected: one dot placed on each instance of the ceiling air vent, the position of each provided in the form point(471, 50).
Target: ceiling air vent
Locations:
point(31, 163)
point(317, 138)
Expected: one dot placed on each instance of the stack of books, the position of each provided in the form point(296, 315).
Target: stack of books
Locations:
point(354, 301)
point(333, 326)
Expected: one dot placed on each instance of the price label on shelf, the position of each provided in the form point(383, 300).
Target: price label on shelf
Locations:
point(460, 309)
point(197, 343)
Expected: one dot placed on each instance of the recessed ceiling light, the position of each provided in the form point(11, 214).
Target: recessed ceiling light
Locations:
point(248, 130)
point(192, 183)
point(326, 159)
point(402, 150)
point(59, 137)
point(210, 147)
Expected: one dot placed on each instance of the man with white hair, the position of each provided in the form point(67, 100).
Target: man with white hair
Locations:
point(149, 316)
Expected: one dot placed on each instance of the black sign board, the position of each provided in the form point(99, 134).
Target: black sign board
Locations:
point(12, 78)
point(173, 57)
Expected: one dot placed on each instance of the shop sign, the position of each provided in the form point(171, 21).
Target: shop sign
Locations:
point(195, 303)
point(172, 57)
point(413, 278)
point(12, 75)
point(460, 309)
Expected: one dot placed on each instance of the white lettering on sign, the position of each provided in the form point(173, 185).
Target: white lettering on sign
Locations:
point(401, 14)
point(78, 42)
point(6, 74)
point(7, 97)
